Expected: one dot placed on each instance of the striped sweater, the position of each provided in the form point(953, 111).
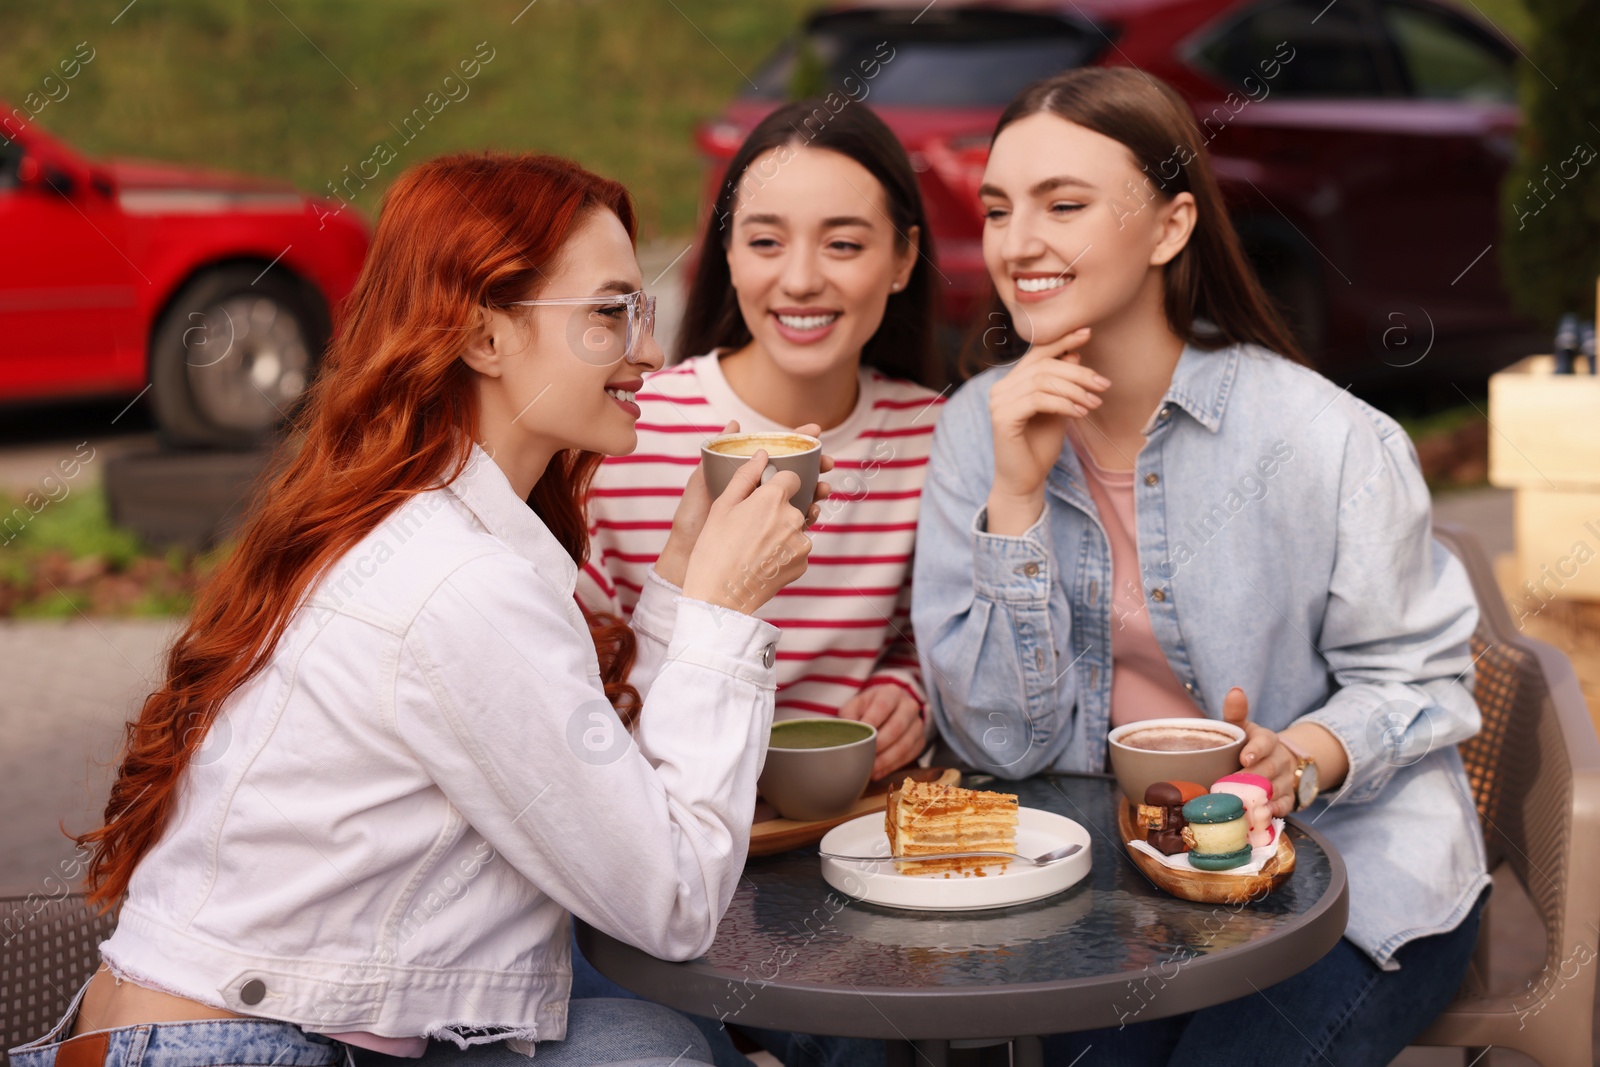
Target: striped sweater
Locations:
point(847, 621)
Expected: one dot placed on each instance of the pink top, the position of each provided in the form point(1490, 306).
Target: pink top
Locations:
point(409, 1047)
point(1142, 683)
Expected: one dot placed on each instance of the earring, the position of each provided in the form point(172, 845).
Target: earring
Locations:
point(895, 287)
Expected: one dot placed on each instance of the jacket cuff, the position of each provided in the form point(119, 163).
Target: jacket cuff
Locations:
point(657, 608)
point(1011, 568)
point(1369, 769)
point(724, 640)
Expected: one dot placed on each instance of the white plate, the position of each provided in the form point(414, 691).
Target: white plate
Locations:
point(880, 883)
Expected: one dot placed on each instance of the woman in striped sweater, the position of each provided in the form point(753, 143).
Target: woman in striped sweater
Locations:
point(811, 303)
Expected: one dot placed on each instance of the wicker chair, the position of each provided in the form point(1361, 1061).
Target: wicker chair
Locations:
point(49, 946)
point(1535, 773)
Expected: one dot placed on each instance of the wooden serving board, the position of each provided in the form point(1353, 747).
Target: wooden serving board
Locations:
point(771, 833)
point(1206, 887)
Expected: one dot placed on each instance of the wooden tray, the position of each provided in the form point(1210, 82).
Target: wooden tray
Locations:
point(771, 833)
point(1206, 887)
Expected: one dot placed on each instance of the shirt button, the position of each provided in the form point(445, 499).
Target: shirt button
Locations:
point(1158, 595)
point(253, 991)
point(1031, 570)
point(1152, 478)
point(769, 655)
point(1189, 686)
point(1165, 411)
point(1038, 658)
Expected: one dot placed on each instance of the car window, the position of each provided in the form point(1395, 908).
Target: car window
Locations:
point(969, 59)
point(1316, 49)
point(1445, 57)
point(10, 162)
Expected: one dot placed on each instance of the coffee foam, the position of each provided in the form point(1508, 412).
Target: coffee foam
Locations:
point(1175, 739)
point(776, 444)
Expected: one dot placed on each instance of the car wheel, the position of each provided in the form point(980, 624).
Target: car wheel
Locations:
point(232, 357)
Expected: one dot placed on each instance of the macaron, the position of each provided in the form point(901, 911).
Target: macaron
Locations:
point(1219, 831)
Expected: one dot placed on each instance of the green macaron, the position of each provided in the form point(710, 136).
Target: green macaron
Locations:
point(1219, 861)
point(1214, 807)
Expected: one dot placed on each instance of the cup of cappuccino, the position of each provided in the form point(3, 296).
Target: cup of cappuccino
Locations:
point(786, 451)
point(1181, 749)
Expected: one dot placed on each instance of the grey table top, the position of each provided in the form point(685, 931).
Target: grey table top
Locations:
point(792, 953)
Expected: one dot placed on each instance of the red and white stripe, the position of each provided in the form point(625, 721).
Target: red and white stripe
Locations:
point(846, 622)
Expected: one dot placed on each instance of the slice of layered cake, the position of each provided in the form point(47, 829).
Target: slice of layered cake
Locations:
point(927, 819)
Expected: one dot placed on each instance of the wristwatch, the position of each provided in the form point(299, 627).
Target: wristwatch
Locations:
point(1305, 776)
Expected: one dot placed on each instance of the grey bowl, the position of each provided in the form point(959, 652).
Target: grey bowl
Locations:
point(1137, 769)
point(809, 784)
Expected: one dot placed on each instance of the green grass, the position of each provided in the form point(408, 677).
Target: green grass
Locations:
point(76, 525)
point(62, 558)
point(1509, 15)
point(1423, 426)
point(301, 89)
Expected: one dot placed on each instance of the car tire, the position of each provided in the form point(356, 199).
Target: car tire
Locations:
point(233, 355)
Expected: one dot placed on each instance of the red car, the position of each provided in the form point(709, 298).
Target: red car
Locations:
point(214, 292)
point(1361, 146)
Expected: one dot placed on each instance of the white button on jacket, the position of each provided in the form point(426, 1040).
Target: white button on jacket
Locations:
point(387, 826)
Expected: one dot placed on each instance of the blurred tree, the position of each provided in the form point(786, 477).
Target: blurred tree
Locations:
point(1551, 201)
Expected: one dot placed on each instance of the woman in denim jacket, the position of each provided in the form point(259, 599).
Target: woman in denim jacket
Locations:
point(1158, 510)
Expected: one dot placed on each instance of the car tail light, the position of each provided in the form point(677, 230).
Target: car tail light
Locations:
point(958, 162)
point(719, 140)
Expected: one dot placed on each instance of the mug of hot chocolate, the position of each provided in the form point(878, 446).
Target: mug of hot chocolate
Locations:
point(1189, 749)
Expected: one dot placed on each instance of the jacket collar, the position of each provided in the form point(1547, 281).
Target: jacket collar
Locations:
point(483, 487)
point(1201, 383)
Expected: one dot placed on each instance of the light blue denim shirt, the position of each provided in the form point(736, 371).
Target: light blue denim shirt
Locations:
point(1285, 545)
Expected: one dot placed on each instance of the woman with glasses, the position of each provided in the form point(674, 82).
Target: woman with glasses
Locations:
point(363, 804)
point(810, 304)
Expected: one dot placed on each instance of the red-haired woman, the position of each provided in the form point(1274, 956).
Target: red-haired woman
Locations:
point(387, 761)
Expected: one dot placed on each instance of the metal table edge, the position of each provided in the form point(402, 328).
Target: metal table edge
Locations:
point(998, 1011)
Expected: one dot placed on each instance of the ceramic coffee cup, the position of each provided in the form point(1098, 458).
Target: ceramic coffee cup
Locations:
point(786, 451)
point(1137, 768)
point(817, 768)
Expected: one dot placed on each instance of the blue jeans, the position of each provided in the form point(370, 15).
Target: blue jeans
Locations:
point(629, 1033)
point(1342, 1010)
point(794, 1050)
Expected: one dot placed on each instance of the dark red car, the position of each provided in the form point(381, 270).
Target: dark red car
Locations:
point(1361, 145)
point(215, 291)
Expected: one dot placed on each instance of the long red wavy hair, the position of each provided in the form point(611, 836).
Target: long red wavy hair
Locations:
point(393, 413)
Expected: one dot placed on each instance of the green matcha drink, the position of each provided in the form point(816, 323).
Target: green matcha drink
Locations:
point(817, 733)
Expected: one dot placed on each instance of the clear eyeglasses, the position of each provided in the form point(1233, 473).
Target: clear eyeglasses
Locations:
point(612, 331)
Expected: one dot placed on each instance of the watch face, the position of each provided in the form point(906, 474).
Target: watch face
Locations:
point(1306, 789)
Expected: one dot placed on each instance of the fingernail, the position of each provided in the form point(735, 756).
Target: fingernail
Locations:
point(1101, 380)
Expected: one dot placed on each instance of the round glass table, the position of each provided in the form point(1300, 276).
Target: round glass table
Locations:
point(792, 953)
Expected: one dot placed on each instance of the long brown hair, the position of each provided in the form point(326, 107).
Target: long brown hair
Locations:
point(393, 413)
point(902, 347)
point(1210, 279)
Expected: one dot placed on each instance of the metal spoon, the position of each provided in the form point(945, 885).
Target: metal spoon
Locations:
point(1043, 860)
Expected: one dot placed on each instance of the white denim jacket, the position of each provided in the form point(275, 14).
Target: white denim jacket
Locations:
point(386, 828)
